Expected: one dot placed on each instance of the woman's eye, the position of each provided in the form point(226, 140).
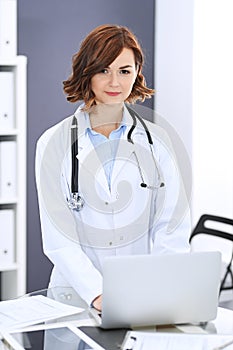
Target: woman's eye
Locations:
point(124, 71)
point(104, 71)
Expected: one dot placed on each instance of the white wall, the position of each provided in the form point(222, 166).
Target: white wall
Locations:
point(173, 78)
point(173, 65)
point(194, 83)
point(213, 108)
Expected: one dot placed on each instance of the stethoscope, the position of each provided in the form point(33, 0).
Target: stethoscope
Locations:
point(76, 201)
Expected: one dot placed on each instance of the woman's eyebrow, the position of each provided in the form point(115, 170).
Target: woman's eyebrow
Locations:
point(127, 66)
point(123, 67)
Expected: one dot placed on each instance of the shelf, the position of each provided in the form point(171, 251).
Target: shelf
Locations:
point(9, 267)
point(11, 61)
point(12, 132)
point(13, 275)
point(4, 201)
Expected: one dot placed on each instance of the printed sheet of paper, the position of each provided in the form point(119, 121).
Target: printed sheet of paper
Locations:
point(169, 341)
point(27, 311)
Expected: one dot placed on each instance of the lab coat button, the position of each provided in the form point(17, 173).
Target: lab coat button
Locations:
point(106, 203)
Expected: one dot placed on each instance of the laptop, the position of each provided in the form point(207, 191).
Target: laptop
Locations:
point(146, 290)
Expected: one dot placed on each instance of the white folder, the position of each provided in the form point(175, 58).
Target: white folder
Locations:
point(7, 99)
point(8, 28)
point(6, 236)
point(8, 169)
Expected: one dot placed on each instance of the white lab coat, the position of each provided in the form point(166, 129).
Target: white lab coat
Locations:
point(126, 219)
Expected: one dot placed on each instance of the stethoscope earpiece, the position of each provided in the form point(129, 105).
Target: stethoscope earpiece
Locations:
point(143, 185)
point(162, 184)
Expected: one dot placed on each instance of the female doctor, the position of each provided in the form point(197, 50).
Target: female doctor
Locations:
point(107, 181)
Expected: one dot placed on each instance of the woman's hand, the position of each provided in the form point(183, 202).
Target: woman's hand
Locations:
point(97, 303)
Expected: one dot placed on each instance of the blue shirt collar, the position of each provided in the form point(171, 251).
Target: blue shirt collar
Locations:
point(84, 121)
point(89, 129)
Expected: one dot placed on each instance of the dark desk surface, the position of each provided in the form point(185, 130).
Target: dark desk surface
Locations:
point(109, 339)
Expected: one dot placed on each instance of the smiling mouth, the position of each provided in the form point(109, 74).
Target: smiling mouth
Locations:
point(110, 93)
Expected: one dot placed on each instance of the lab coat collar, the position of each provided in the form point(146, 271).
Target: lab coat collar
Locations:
point(86, 148)
point(84, 124)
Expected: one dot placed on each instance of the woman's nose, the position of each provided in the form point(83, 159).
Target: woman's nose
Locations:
point(114, 79)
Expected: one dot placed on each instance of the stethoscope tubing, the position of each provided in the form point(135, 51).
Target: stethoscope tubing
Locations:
point(134, 114)
point(74, 152)
point(76, 202)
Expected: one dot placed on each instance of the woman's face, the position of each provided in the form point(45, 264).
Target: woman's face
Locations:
point(114, 83)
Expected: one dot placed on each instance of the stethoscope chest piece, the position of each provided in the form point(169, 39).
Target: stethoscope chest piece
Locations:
point(76, 202)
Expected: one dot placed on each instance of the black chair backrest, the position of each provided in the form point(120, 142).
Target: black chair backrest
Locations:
point(201, 228)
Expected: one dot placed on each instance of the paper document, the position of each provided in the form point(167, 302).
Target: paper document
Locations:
point(171, 341)
point(22, 312)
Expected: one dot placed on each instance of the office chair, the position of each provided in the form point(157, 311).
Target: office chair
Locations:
point(201, 228)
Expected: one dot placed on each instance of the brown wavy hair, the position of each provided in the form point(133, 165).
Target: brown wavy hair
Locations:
point(97, 51)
